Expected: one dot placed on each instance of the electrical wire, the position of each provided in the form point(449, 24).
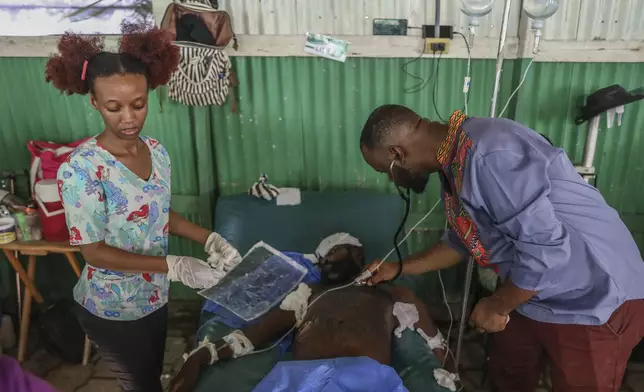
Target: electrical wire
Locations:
point(438, 63)
point(525, 73)
point(407, 200)
point(403, 69)
point(466, 91)
point(466, 95)
point(448, 352)
point(423, 82)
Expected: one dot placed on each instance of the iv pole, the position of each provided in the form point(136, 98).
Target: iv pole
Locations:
point(470, 263)
point(500, 56)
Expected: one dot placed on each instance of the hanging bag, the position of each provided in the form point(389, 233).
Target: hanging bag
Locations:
point(205, 72)
point(46, 158)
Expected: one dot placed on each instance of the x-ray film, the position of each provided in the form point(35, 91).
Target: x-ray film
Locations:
point(257, 284)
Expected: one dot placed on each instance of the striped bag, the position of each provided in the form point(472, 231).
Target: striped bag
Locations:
point(205, 74)
point(203, 77)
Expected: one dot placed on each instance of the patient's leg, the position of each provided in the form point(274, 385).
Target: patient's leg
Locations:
point(425, 322)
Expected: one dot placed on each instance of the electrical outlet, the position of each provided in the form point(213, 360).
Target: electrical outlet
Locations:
point(436, 46)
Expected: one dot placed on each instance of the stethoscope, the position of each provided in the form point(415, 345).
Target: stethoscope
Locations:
point(407, 199)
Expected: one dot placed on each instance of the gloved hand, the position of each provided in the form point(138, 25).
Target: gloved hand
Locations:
point(192, 272)
point(222, 256)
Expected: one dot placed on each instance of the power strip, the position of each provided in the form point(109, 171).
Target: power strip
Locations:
point(436, 45)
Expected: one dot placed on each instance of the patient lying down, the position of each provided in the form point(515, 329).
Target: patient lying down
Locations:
point(356, 321)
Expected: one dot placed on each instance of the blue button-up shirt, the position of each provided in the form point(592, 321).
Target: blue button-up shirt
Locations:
point(542, 225)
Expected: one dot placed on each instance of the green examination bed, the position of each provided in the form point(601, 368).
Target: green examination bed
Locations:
point(372, 217)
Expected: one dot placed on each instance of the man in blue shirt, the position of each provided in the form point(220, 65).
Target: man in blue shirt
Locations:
point(572, 276)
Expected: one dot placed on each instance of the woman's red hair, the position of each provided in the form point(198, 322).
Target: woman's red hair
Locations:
point(64, 69)
point(152, 47)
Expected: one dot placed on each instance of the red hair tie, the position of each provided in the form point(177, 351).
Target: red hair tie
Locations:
point(84, 70)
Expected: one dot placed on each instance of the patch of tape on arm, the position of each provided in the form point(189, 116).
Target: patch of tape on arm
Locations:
point(214, 357)
point(239, 343)
point(298, 302)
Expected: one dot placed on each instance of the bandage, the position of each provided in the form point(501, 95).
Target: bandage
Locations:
point(435, 342)
point(239, 343)
point(407, 316)
point(297, 301)
point(334, 240)
point(311, 257)
point(446, 379)
point(214, 357)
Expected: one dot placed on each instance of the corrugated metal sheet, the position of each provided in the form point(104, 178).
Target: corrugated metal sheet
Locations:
point(352, 17)
point(581, 20)
point(309, 113)
point(547, 104)
point(299, 121)
point(587, 20)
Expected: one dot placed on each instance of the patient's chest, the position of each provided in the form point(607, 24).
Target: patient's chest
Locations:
point(352, 322)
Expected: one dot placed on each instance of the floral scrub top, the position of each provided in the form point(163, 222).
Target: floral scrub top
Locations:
point(104, 200)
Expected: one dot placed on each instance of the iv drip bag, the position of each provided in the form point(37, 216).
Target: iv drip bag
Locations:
point(540, 10)
point(476, 8)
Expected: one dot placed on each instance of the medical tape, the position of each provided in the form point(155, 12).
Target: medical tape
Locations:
point(335, 240)
point(297, 301)
point(407, 315)
point(239, 343)
point(446, 379)
point(435, 342)
point(214, 356)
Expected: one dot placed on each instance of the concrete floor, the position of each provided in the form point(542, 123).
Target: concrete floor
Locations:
point(96, 377)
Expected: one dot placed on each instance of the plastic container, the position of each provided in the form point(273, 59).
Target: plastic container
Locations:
point(7, 230)
point(33, 221)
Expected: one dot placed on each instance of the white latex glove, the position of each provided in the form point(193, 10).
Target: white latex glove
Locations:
point(222, 256)
point(192, 272)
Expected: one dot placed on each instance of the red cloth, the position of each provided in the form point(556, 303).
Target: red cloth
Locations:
point(50, 160)
point(582, 358)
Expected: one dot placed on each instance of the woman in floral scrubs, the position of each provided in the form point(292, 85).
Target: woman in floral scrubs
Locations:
point(116, 190)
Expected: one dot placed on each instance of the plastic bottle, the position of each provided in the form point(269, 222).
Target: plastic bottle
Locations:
point(33, 221)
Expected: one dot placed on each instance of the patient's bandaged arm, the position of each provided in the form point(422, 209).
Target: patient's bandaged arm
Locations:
point(239, 343)
point(298, 302)
point(214, 357)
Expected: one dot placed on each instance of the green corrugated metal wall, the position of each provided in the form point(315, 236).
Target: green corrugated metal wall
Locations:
point(299, 120)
